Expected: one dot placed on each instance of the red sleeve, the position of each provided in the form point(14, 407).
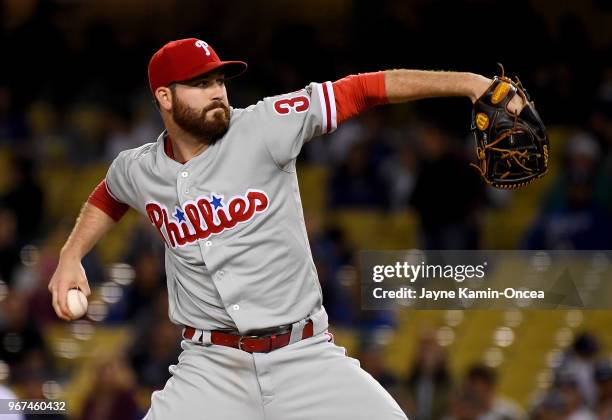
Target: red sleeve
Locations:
point(102, 199)
point(356, 93)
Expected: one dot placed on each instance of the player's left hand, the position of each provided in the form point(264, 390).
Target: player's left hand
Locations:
point(481, 85)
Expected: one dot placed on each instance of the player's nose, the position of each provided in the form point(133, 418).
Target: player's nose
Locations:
point(218, 94)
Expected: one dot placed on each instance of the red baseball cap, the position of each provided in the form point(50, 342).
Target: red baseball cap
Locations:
point(184, 59)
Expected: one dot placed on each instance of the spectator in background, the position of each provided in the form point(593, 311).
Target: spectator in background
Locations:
point(21, 341)
point(448, 194)
point(120, 136)
point(47, 134)
point(372, 360)
point(112, 395)
point(24, 198)
point(574, 216)
point(9, 250)
point(151, 364)
point(429, 383)
point(130, 125)
point(336, 149)
point(154, 347)
point(603, 379)
point(11, 126)
point(576, 408)
point(579, 364)
point(331, 252)
point(464, 404)
point(144, 239)
point(140, 294)
point(550, 407)
point(601, 125)
point(482, 381)
point(356, 183)
point(335, 262)
point(85, 131)
point(370, 129)
point(399, 173)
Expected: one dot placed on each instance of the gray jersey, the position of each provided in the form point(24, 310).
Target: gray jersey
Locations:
point(237, 253)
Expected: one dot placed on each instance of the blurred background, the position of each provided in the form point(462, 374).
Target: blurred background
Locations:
point(73, 93)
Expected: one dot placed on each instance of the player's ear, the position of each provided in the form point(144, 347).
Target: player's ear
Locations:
point(164, 98)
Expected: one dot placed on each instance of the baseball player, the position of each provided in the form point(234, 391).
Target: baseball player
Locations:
point(220, 187)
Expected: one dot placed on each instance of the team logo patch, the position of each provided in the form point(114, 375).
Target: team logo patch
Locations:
point(482, 121)
point(205, 216)
point(500, 92)
point(296, 104)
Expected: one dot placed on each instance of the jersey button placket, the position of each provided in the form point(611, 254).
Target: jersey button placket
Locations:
point(182, 186)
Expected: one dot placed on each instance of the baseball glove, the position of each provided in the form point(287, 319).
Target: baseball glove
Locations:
point(512, 149)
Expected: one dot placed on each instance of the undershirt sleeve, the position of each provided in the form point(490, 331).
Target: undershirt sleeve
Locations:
point(102, 199)
point(356, 93)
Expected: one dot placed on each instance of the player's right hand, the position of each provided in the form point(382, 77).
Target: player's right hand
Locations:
point(69, 274)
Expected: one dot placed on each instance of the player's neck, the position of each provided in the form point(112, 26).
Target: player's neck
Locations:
point(184, 145)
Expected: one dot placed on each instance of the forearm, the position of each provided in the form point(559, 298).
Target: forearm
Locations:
point(410, 85)
point(89, 228)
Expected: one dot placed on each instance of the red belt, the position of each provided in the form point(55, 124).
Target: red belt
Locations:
point(251, 343)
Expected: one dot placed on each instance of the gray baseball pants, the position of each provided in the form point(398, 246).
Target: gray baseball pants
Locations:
point(310, 379)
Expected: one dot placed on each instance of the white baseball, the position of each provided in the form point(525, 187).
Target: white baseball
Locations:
point(77, 303)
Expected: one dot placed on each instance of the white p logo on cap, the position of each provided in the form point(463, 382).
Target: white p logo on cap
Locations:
point(203, 45)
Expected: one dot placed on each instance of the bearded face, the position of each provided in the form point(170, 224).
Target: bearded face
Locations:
point(207, 124)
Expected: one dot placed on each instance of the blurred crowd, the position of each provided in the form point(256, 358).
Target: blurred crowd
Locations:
point(580, 388)
point(582, 384)
point(75, 94)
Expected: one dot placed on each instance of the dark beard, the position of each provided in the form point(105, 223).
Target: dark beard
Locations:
point(195, 123)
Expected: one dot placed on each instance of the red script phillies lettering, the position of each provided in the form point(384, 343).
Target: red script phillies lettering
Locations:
point(207, 216)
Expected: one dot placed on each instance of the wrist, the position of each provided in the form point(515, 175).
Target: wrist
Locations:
point(477, 85)
point(69, 255)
